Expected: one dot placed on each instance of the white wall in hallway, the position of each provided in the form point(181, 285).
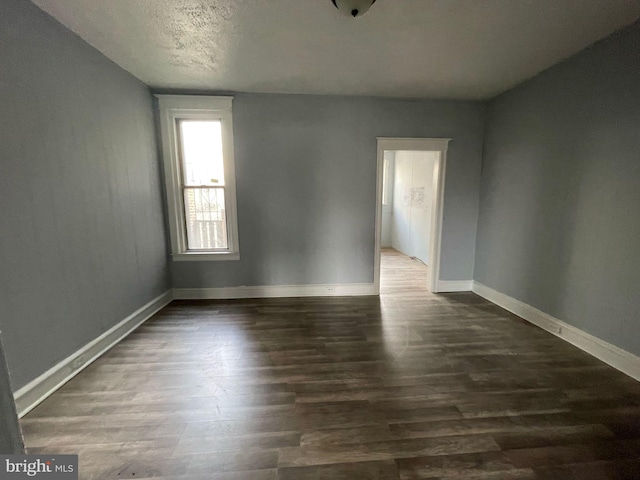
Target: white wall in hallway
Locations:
point(412, 202)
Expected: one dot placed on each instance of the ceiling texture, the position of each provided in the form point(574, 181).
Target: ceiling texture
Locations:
point(462, 49)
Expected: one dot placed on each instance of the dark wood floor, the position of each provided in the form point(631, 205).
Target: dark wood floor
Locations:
point(406, 386)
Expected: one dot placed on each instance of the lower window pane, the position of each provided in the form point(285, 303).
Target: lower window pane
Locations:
point(205, 218)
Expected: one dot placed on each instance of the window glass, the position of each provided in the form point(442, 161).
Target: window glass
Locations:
point(205, 218)
point(202, 161)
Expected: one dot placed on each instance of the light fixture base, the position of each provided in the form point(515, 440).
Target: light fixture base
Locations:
point(353, 8)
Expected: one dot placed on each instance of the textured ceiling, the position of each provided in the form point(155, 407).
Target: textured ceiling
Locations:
point(467, 49)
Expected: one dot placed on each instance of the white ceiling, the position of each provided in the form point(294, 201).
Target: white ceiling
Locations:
point(467, 49)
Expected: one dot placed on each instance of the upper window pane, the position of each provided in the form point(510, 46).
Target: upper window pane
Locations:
point(201, 144)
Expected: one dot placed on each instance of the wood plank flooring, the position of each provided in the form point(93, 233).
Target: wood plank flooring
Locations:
point(406, 386)
point(401, 275)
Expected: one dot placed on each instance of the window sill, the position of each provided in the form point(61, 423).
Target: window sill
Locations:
point(204, 256)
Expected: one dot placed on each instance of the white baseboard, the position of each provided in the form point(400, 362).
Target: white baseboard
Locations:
point(270, 291)
point(448, 286)
point(616, 357)
point(34, 392)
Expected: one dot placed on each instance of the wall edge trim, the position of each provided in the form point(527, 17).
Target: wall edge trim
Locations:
point(616, 357)
point(450, 286)
point(37, 390)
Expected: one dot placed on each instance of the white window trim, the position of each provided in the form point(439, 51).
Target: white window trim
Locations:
point(176, 107)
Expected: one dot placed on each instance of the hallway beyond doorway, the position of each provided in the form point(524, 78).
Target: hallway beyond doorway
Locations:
point(400, 273)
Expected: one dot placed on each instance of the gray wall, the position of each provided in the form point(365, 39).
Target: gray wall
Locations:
point(559, 224)
point(306, 174)
point(82, 243)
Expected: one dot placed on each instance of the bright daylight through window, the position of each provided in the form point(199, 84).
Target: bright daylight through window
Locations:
point(199, 170)
point(203, 184)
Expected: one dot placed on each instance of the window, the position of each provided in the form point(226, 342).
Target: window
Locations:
point(386, 190)
point(387, 180)
point(197, 139)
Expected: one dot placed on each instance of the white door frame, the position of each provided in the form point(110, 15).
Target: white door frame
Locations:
point(415, 144)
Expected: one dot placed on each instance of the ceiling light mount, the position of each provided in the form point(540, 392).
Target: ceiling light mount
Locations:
point(353, 8)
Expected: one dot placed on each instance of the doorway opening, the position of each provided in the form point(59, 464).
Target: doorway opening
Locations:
point(409, 205)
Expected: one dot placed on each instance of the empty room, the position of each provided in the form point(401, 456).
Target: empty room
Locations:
point(328, 239)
